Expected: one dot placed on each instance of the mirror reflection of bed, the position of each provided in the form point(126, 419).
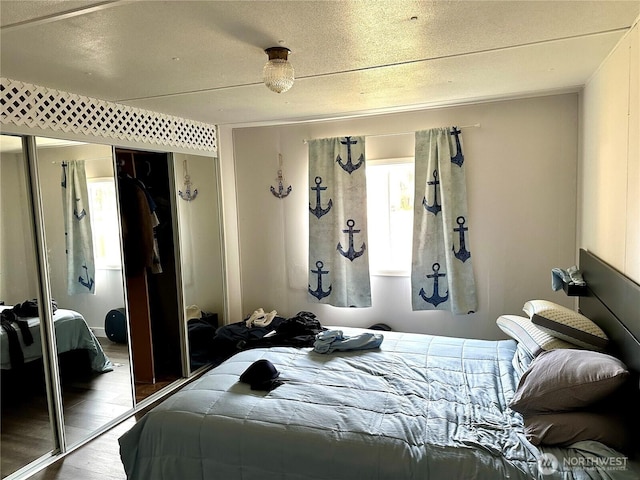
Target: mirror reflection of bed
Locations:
point(94, 376)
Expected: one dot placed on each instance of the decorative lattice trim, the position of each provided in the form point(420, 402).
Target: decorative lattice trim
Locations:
point(29, 105)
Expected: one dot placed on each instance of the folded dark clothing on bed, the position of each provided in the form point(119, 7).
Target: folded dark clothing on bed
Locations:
point(15, 350)
point(9, 316)
point(26, 309)
point(231, 339)
point(29, 308)
point(297, 331)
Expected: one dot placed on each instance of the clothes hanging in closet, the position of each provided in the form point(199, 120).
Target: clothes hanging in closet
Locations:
point(137, 226)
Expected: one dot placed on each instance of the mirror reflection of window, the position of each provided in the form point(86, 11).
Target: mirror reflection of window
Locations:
point(104, 222)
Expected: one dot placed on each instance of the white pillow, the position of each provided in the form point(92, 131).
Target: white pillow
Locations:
point(533, 339)
point(566, 324)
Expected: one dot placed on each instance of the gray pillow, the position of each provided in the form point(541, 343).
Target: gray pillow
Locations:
point(563, 429)
point(566, 324)
point(563, 380)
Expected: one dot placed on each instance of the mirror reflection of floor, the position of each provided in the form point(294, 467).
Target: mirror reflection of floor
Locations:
point(90, 400)
point(97, 460)
point(144, 390)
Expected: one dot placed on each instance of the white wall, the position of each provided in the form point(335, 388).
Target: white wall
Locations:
point(521, 175)
point(231, 254)
point(18, 269)
point(609, 195)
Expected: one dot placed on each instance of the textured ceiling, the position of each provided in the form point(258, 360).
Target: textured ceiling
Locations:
point(203, 59)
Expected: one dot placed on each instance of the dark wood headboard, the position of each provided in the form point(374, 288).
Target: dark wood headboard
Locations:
point(613, 302)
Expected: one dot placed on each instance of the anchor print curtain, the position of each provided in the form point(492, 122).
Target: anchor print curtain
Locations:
point(77, 229)
point(338, 257)
point(442, 273)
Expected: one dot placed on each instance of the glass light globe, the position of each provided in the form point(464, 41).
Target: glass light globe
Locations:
point(278, 75)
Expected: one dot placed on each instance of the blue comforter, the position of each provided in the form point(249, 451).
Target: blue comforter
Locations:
point(419, 407)
point(72, 333)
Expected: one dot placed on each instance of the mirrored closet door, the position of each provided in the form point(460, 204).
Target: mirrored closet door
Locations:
point(78, 190)
point(134, 301)
point(198, 204)
point(26, 426)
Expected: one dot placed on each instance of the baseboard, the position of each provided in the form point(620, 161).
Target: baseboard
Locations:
point(99, 332)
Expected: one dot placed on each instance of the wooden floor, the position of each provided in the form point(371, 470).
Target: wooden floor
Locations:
point(97, 460)
point(89, 401)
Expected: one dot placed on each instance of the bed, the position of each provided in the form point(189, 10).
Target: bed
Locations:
point(418, 407)
point(72, 333)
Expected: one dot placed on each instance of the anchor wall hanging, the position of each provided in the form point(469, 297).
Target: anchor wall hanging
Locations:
point(188, 194)
point(281, 192)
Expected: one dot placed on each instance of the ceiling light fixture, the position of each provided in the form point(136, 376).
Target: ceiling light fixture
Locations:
point(278, 73)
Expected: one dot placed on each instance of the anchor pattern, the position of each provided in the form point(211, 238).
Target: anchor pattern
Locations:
point(458, 158)
point(82, 213)
point(351, 253)
point(349, 167)
point(435, 299)
point(318, 292)
point(435, 207)
point(63, 182)
point(462, 254)
point(88, 283)
point(318, 211)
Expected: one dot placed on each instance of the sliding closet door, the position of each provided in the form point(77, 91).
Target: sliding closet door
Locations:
point(200, 227)
point(26, 427)
point(81, 225)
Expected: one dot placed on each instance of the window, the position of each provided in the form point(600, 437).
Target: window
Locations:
point(390, 188)
point(104, 223)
